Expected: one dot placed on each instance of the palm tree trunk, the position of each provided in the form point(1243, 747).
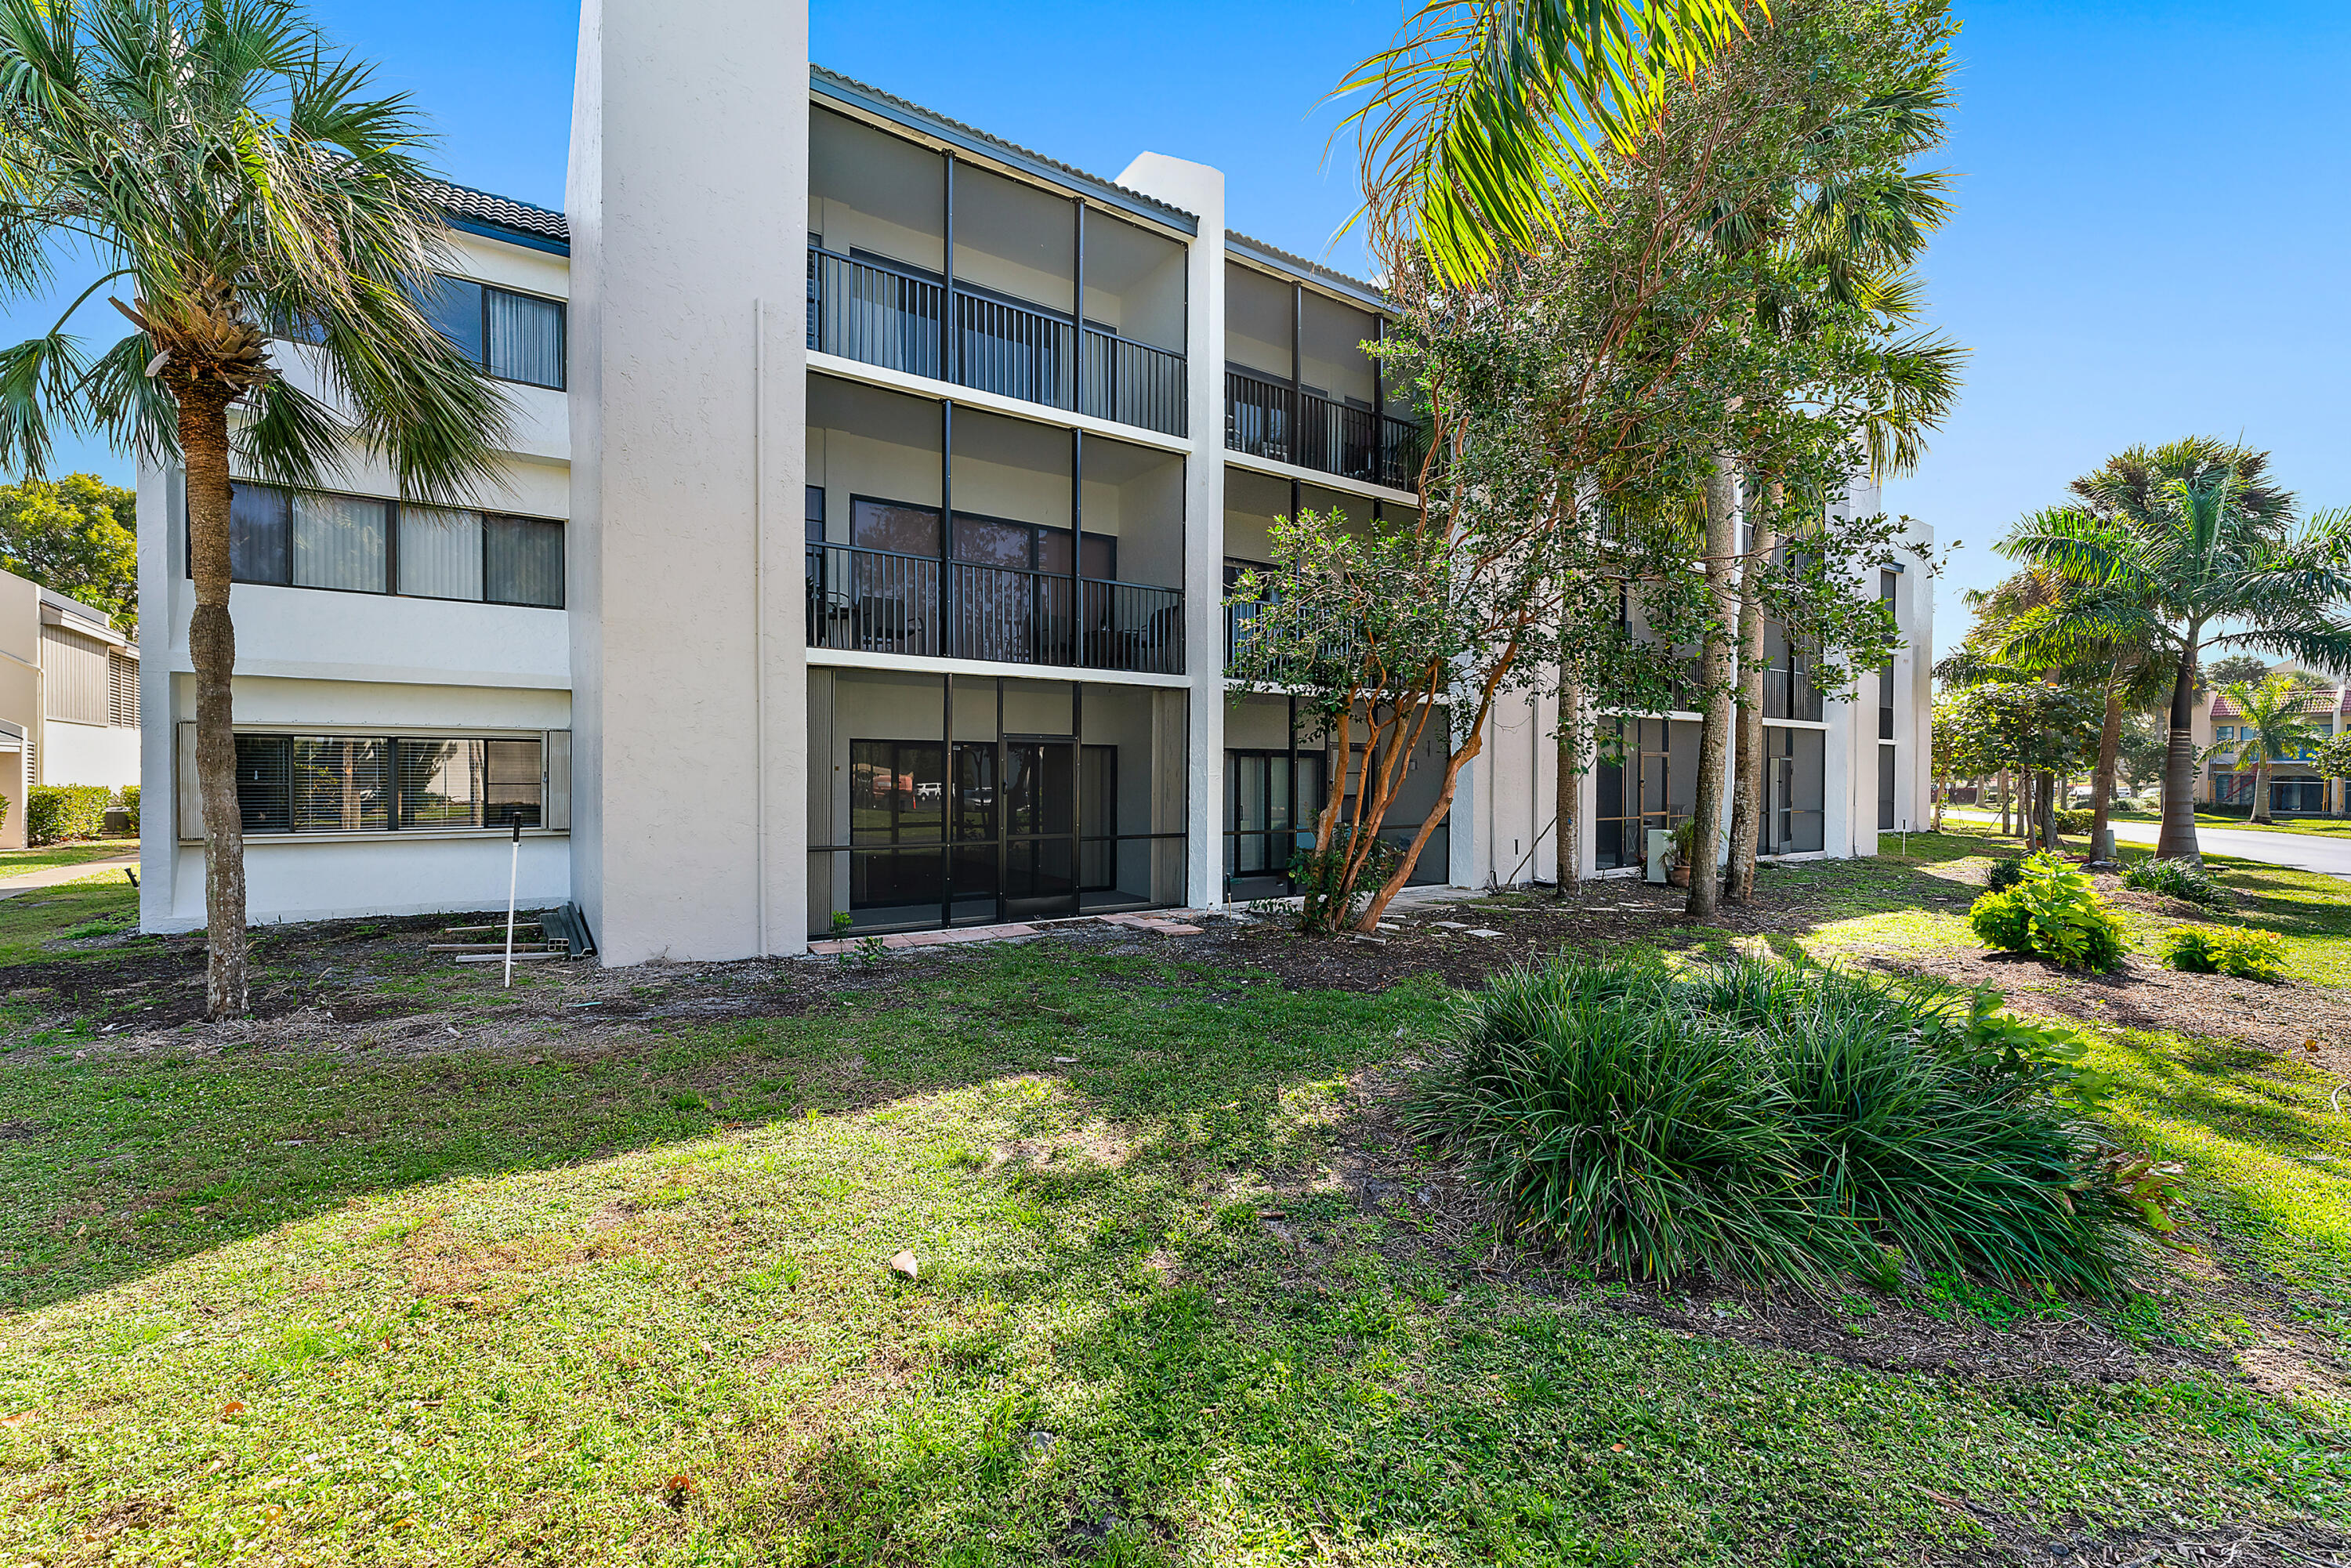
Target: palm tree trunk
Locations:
point(1567, 840)
point(2101, 786)
point(1715, 671)
point(212, 650)
point(2260, 812)
point(2176, 840)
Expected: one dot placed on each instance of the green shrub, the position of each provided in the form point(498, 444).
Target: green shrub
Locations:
point(2004, 874)
point(2236, 950)
point(2180, 879)
point(130, 805)
point(2053, 912)
point(2076, 819)
point(1762, 1121)
point(4, 811)
point(55, 812)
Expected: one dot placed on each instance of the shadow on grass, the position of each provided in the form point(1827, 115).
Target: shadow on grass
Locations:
point(115, 1167)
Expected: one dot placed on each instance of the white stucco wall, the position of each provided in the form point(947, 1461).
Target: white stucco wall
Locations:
point(688, 205)
point(88, 754)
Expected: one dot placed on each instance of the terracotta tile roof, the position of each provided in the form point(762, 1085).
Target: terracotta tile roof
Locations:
point(2324, 700)
point(498, 212)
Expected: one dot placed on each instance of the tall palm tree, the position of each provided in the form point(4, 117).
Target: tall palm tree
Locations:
point(2089, 634)
point(2194, 535)
point(1483, 114)
point(234, 176)
point(2273, 724)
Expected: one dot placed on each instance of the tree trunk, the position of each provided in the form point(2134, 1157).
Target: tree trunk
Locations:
point(1568, 840)
point(2260, 812)
point(2176, 840)
point(1747, 791)
point(2102, 786)
point(2007, 806)
point(1715, 670)
point(212, 650)
point(2049, 812)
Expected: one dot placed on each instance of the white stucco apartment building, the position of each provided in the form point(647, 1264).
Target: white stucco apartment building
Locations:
point(860, 555)
point(68, 698)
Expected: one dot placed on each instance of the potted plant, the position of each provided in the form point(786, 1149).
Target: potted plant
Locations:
point(1678, 853)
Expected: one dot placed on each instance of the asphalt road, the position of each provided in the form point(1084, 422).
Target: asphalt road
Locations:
point(2303, 852)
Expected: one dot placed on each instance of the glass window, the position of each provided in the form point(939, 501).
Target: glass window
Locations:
point(265, 792)
point(256, 534)
point(2225, 732)
point(338, 542)
point(525, 338)
point(440, 553)
point(454, 307)
point(526, 562)
point(440, 784)
point(342, 784)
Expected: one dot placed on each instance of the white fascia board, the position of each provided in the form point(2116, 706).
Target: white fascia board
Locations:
point(1267, 465)
point(993, 403)
point(924, 664)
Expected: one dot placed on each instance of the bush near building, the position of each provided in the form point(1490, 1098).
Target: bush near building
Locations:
point(55, 812)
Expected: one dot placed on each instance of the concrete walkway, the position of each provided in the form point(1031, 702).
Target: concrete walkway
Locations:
point(49, 876)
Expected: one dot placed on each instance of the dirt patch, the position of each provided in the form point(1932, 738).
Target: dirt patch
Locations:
point(2016, 1544)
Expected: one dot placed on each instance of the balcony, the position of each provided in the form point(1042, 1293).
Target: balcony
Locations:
point(1288, 424)
point(944, 269)
point(880, 601)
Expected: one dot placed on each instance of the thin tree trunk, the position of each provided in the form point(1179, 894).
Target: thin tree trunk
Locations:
point(212, 650)
point(1568, 840)
point(2176, 840)
point(1747, 803)
point(2260, 812)
point(2049, 810)
point(2101, 786)
point(1715, 670)
point(2007, 806)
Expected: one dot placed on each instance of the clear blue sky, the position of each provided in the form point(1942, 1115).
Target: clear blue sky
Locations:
point(2150, 239)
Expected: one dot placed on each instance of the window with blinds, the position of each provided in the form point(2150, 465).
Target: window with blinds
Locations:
point(122, 695)
point(364, 544)
point(514, 337)
point(74, 684)
point(358, 784)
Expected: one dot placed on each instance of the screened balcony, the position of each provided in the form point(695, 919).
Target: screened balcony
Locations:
point(1254, 503)
point(954, 533)
point(1299, 389)
point(942, 268)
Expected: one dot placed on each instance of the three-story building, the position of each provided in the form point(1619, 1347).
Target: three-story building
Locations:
point(862, 555)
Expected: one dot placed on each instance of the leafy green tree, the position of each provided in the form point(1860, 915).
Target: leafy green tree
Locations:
point(2195, 535)
point(2334, 760)
point(78, 534)
point(237, 178)
point(2272, 717)
point(2139, 757)
point(2037, 727)
point(2235, 670)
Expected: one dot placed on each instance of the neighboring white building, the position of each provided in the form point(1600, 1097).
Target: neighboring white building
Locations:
point(68, 698)
point(1028, 420)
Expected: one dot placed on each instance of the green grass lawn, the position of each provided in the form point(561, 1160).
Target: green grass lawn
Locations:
point(31, 919)
point(17, 863)
point(633, 1304)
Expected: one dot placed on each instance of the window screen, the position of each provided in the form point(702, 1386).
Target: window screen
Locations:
point(339, 542)
point(440, 553)
point(454, 307)
point(525, 338)
point(256, 534)
point(525, 562)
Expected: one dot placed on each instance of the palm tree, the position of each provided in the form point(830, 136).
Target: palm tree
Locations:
point(2194, 535)
point(233, 176)
point(1482, 115)
point(2085, 633)
point(2274, 725)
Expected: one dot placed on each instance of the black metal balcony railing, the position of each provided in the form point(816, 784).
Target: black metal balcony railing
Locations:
point(889, 315)
point(1789, 694)
point(1338, 643)
point(877, 601)
point(1270, 419)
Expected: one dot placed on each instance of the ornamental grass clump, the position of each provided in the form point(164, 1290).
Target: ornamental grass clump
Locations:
point(2180, 879)
point(1766, 1123)
point(2053, 912)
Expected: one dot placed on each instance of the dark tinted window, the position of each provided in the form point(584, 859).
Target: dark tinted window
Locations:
point(525, 562)
point(264, 791)
point(454, 306)
point(256, 534)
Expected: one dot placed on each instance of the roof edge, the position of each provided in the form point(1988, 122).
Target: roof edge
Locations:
point(954, 134)
point(1273, 256)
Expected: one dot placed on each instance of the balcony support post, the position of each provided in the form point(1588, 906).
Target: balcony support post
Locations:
point(1077, 537)
point(947, 641)
point(948, 368)
point(1078, 313)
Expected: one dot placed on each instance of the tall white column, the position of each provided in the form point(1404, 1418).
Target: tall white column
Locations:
point(1200, 191)
point(688, 206)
